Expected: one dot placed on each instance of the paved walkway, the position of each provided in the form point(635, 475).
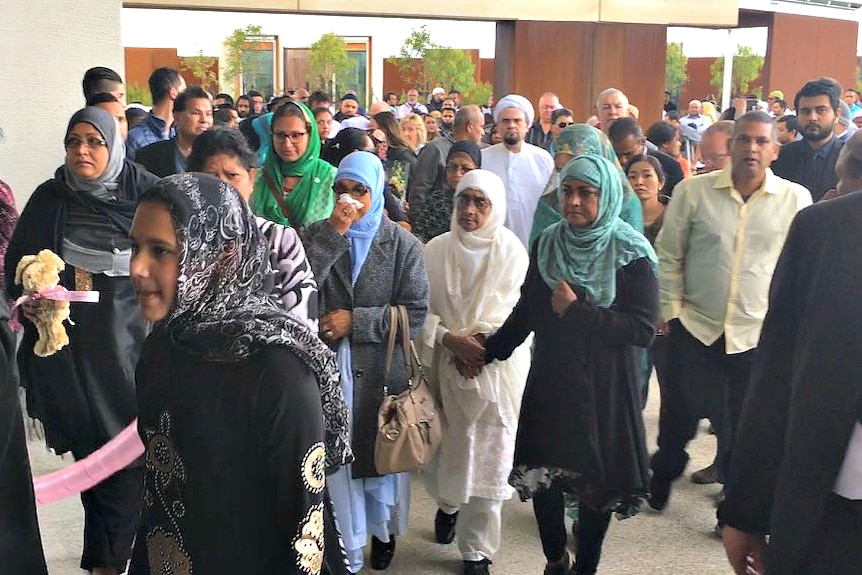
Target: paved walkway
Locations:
point(676, 542)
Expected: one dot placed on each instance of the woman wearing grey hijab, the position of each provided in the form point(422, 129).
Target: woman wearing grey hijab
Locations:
point(85, 394)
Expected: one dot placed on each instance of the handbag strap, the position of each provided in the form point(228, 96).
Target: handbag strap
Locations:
point(276, 194)
point(406, 344)
point(390, 343)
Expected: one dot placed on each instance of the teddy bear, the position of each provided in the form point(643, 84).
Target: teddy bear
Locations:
point(36, 274)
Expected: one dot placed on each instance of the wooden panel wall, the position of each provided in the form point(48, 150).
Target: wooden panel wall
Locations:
point(577, 60)
point(801, 48)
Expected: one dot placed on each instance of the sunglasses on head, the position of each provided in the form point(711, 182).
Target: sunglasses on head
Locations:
point(564, 125)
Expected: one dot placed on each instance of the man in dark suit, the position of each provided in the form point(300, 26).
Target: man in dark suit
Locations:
point(811, 161)
point(193, 115)
point(628, 141)
point(796, 471)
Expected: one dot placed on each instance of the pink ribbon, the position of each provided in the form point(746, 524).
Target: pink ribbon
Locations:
point(82, 475)
point(59, 293)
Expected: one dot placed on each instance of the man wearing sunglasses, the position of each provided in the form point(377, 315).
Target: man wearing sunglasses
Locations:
point(561, 119)
point(540, 133)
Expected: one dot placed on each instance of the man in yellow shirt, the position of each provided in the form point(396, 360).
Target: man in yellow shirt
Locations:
point(722, 235)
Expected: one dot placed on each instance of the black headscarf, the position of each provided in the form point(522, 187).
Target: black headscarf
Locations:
point(345, 142)
point(223, 311)
point(466, 147)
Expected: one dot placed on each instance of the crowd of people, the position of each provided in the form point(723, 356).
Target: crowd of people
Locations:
point(247, 254)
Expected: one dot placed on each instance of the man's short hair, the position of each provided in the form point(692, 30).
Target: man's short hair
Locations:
point(756, 117)
point(386, 97)
point(227, 97)
point(100, 80)
point(560, 113)
point(454, 91)
point(192, 93)
point(721, 127)
point(161, 81)
point(791, 121)
point(609, 92)
point(222, 116)
point(466, 114)
point(318, 99)
point(95, 99)
point(782, 103)
point(623, 128)
point(672, 115)
point(254, 94)
point(661, 133)
point(820, 87)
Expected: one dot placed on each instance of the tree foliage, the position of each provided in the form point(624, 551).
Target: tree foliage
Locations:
point(746, 68)
point(676, 69)
point(328, 62)
point(202, 67)
point(425, 64)
point(234, 45)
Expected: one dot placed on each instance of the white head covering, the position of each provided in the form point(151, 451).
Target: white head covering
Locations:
point(360, 122)
point(475, 279)
point(514, 101)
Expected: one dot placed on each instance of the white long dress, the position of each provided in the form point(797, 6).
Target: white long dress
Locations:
point(475, 281)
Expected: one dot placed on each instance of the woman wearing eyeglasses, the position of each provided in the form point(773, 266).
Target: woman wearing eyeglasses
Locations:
point(85, 393)
point(294, 187)
point(435, 215)
point(364, 263)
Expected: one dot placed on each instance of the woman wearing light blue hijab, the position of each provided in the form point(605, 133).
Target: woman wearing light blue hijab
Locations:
point(365, 263)
point(591, 299)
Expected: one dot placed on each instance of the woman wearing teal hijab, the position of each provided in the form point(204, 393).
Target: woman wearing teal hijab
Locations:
point(294, 187)
point(573, 141)
point(591, 299)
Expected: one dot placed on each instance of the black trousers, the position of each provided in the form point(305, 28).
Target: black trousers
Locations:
point(837, 545)
point(111, 512)
point(593, 525)
point(700, 381)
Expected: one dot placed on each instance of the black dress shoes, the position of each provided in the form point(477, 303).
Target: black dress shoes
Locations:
point(382, 553)
point(477, 567)
point(444, 527)
point(659, 492)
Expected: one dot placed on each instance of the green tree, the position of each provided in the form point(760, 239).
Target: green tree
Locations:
point(746, 69)
point(479, 94)
point(425, 64)
point(675, 69)
point(202, 67)
point(411, 57)
point(328, 62)
point(234, 45)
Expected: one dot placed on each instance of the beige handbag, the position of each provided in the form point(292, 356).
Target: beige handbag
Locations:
point(409, 425)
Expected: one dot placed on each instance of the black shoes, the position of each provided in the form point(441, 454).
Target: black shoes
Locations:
point(659, 492)
point(444, 527)
point(382, 553)
point(476, 567)
point(565, 566)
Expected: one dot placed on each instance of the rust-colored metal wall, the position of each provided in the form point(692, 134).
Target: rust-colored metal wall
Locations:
point(577, 60)
point(802, 47)
point(483, 71)
point(140, 63)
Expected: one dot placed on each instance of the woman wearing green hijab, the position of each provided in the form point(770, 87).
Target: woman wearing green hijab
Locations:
point(591, 300)
point(573, 141)
point(294, 187)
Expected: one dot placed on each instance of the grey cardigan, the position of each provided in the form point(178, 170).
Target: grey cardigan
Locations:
point(393, 273)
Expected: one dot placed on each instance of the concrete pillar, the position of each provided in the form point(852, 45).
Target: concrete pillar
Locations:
point(46, 47)
point(577, 60)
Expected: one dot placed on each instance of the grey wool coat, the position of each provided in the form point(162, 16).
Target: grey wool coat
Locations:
point(393, 274)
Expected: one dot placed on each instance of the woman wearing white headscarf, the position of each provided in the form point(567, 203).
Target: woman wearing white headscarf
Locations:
point(475, 272)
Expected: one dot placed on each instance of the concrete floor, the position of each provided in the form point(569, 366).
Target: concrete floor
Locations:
point(678, 541)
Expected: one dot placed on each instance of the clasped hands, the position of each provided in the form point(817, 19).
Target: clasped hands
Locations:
point(468, 352)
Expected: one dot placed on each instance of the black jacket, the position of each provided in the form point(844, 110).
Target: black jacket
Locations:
point(796, 163)
point(672, 171)
point(159, 158)
point(805, 395)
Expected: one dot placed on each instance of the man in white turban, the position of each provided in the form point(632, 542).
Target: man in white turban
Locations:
point(524, 168)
